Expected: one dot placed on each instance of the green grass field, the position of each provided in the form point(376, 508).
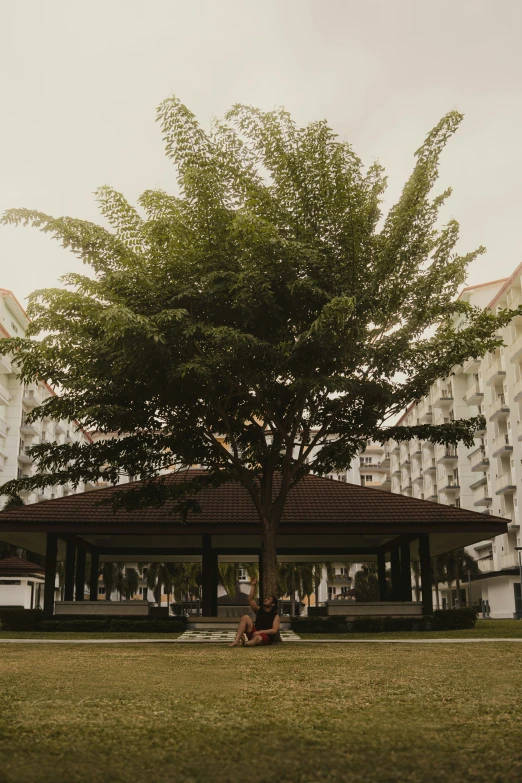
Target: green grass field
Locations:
point(299, 714)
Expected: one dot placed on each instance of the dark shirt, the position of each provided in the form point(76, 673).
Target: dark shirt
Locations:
point(265, 620)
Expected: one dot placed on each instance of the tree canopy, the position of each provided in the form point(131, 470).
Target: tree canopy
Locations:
point(263, 322)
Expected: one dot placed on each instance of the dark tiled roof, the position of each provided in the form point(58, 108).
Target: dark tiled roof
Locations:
point(313, 501)
point(17, 565)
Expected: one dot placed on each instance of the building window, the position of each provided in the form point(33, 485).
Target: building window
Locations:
point(101, 590)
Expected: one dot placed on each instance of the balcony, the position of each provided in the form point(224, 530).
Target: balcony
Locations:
point(429, 465)
point(416, 448)
point(485, 564)
point(476, 484)
point(5, 395)
point(60, 428)
point(480, 431)
point(5, 364)
point(417, 474)
point(406, 485)
point(450, 456)
point(471, 366)
point(384, 461)
point(504, 485)
point(474, 396)
point(444, 398)
point(395, 449)
point(3, 427)
point(433, 495)
point(451, 485)
point(509, 560)
point(384, 483)
point(482, 498)
point(516, 349)
point(496, 375)
point(426, 414)
point(405, 460)
point(517, 389)
point(479, 459)
point(28, 427)
point(24, 457)
point(500, 409)
point(30, 398)
point(501, 445)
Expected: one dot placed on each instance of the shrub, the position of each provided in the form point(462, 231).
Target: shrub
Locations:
point(114, 624)
point(454, 619)
point(18, 619)
point(336, 624)
point(390, 624)
point(441, 620)
point(34, 620)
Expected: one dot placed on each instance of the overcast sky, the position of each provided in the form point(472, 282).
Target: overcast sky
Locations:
point(81, 81)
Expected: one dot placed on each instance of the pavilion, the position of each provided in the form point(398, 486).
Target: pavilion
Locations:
point(323, 520)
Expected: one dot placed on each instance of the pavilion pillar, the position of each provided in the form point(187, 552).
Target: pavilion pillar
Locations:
point(209, 578)
point(260, 584)
point(395, 574)
point(81, 558)
point(405, 571)
point(426, 575)
point(381, 572)
point(93, 581)
point(70, 553)
point(51, 552)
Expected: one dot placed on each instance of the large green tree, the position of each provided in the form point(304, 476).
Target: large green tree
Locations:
point(268, 301)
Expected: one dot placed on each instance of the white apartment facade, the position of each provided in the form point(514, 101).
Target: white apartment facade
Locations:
point(371, 468)
point(17, 399)
point(488, 476)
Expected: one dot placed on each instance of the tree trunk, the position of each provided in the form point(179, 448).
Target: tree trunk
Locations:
point(269, 561)
point(437, 597)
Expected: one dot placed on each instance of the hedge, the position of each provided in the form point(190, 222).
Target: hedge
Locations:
point(34, 620)
point(440, 620)
point(454, 619)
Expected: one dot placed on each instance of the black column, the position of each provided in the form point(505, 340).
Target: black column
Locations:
point(426, 577)
point(93, 583)
point(381, 571)
point(405, 571)
point(70, 552)
point(395, 574)
point(260, 584)
point(80, 573)
point(51, 551)
point(209, 574)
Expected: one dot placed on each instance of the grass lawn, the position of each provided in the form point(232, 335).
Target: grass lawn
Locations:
point(294, 714)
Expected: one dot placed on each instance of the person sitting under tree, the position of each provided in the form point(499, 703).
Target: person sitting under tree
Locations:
point(265, 630)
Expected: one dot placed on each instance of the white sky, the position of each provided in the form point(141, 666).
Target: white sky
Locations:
point(81, 81)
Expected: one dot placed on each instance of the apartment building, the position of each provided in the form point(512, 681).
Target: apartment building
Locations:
point(488, 476)
point(17, 399)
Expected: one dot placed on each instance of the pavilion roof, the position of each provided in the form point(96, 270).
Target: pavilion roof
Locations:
point(17, 565)
point(314, 501)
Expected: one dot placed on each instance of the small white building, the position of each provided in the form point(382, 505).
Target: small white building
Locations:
point(21, 583)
